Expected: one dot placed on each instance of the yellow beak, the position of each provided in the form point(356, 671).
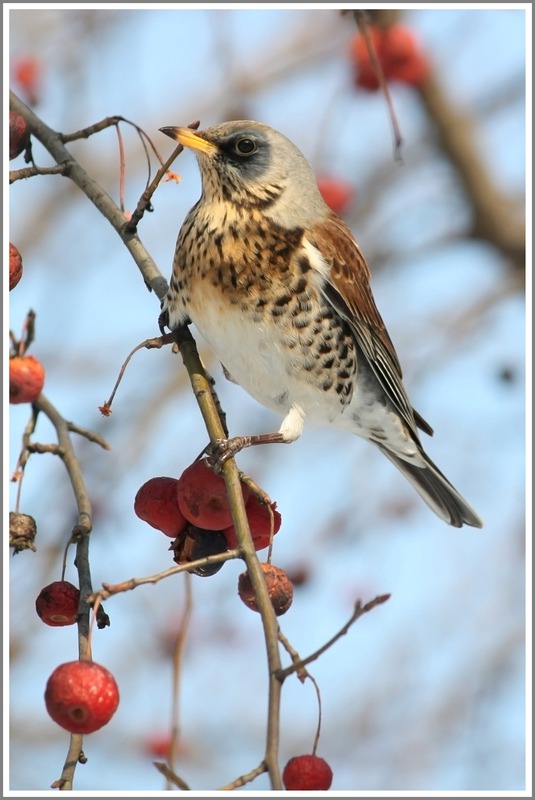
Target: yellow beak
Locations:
point(188, 138)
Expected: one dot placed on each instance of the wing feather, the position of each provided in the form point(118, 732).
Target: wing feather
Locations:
point(347, 289)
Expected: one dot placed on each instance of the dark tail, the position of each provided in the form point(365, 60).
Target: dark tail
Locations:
point(437, 491)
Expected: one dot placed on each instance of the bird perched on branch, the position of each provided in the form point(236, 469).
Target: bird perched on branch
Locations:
point(279, 288)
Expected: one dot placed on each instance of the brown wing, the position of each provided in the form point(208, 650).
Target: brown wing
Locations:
point(348, 290)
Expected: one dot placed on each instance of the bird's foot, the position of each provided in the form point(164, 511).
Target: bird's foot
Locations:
point(220, 450)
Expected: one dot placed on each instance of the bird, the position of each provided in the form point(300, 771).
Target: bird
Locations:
point(279, 288)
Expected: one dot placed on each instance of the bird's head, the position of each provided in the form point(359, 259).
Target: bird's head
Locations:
point(252, 165)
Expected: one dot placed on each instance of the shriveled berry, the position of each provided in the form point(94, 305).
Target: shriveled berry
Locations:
point(307, 773)
point(194, 543)
point(259, 518)
point(81, 696)
point(202, 497)
point(19, 135)
point(279, 588)
point(22, 531)
point(15, 266)
point(156, 503)
point(57, 604)
point(26, 379)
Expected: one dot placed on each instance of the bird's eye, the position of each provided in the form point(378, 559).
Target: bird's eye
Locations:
point(245, 146)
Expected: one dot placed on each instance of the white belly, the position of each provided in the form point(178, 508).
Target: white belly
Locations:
point(257, 358)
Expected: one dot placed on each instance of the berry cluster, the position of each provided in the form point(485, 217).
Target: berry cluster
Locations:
point(398, 51)
point(194, 510)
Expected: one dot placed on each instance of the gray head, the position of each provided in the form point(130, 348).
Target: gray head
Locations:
point(249, 164)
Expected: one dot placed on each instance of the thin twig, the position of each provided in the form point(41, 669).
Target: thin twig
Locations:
point(109, 589)
point(91, 436)
point(358, 612)
point(154, 343)
point(302, 673)
point(318, 729)
point(74, 756)
point(244, 779)
point(54, 143)
point(144, 200)
point(178, 658)
point(171, 776)
point(97, 127)
point(32, 172)
point(362, 22)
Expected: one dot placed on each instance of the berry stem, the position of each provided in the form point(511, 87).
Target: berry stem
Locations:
point(318, 729)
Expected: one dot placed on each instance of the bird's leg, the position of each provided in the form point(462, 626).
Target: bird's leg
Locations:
point(291, 429)
point(220, 450)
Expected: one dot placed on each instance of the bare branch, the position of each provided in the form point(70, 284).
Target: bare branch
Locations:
point(31, 172)
point(494, 218)
point(75, 755)
point(80, 535)
point(202, 389)
point(53, 142)
point(97, 127)
point(297, 666)
point(178, 657)
point(244, 779)
point(171, 776)
point(108, 589)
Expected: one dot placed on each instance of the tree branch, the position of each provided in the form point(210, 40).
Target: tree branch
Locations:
point(299, 664)
point(80, 535)
point(53, 142)
point(495, 217)
point(201, 386)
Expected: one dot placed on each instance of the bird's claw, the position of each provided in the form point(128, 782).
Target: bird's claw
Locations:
point(220, 450)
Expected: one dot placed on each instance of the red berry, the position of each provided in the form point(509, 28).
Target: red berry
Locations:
point(365, 73)
point(57, 604)
point(402, 56)
point(27, 72)
point(398, 51)
point(259, 519)
point(15, 266)
point(26, 379)
point(159, 745)
point(202, 497)
point(307, 773)
point(156, 503)
point(279, 588)
point(336, 193)
point(19, 135)
point(81, 696)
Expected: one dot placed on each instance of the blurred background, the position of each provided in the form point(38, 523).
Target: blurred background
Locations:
point(427, 692)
